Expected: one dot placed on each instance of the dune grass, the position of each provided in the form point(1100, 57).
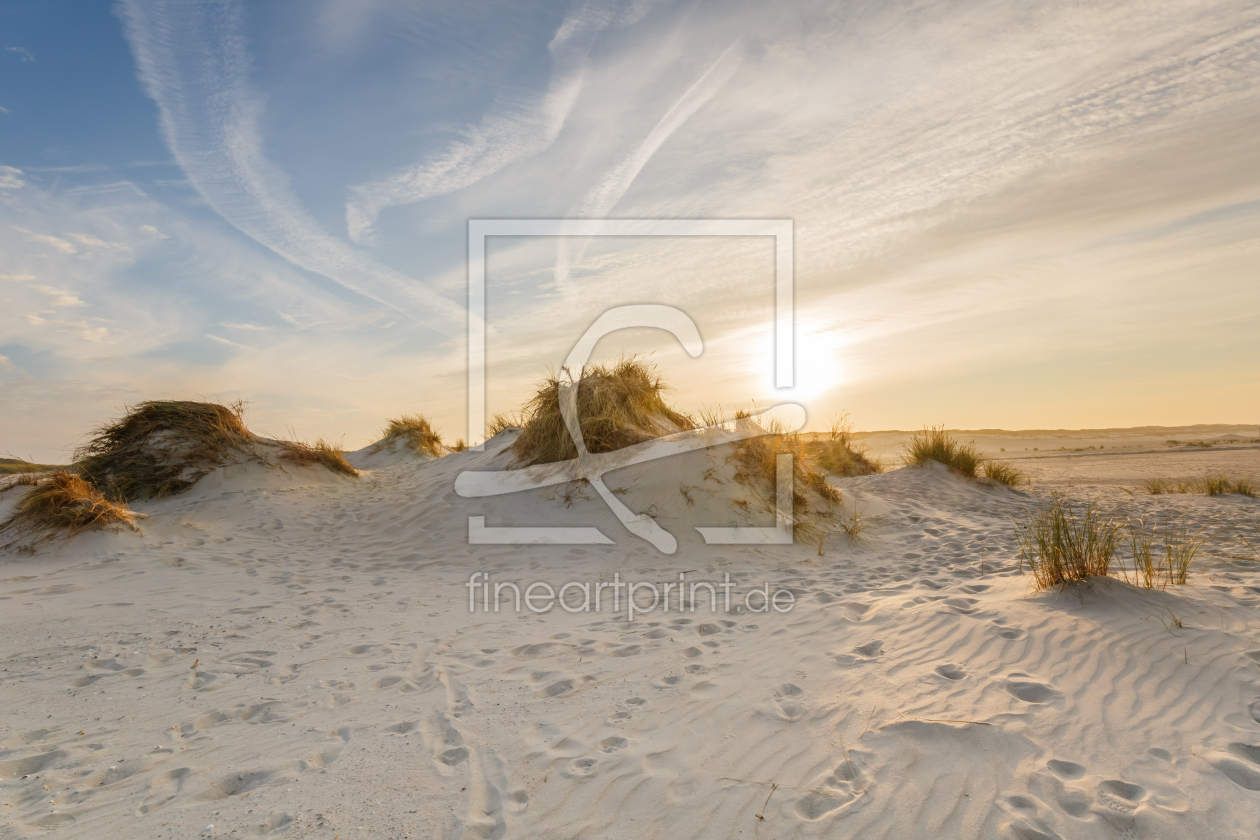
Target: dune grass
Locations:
point(935, 444)
point(1065, 542)
point(416, 431)
point(1211, 485)
point(321, 452)
point(817, 508)
point(501, 421)
point(1004, 473)
point(61, 500)
point(16, 466)
point(1153, 568)
point(756, 464)
point(161, 447)
point(839, 454)
point(618, 405)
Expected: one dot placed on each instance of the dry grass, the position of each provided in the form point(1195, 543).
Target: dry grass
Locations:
point(1004, 473)
point(839, 454)
point(618, 405)
point(321, 452)
point(1153, 569)
point(1064, 543)
point(1220, 485)
point(1141, 540)
point(161, 447)
point(1212, 485)
point(61, 500)
point(935, 444)
point(416, 431)
point(501, 421)
point(816, 503)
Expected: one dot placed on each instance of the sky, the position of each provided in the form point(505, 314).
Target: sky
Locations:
point(1005, 214)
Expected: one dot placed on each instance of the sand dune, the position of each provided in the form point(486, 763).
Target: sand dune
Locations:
point(291, 652)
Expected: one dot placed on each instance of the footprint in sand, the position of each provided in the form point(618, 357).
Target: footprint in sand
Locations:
point(951, 672)
point(1241, 766)
point(580, 768)
point(1030, 690)
point(232, 785)
point(1010, 633)
point(787, 701)
point(870, 648)
point(1065, 769)
point(613, 744)
point(163, 788)
point(860, 654)
point(1121, 796)
point(16, 768)
point(962, 606)
point(555, 689)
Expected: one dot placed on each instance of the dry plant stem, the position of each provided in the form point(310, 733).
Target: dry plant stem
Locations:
point(852, 771)
point(764, 805)
point(868, 722)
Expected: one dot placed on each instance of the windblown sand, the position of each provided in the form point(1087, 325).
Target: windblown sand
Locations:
point(292, 653)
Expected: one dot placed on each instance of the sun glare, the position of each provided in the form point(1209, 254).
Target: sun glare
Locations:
point(819, 366)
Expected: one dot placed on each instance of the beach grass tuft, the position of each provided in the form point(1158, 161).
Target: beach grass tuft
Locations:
point(61, 500)
point(618, 405)
point(321, 453)
point(1210, 485)
point(936, 444)
point(159, 447)
point(1065, 542)
point(1004, 473)
point(839, 454)
point(416, 431)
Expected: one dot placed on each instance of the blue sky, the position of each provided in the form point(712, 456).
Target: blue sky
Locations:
point(1024, 215)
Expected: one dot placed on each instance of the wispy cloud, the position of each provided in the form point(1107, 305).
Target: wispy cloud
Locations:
point(24, 55)
point(600, 201)
point(194, 64)
point(57, 242)
point(503, 137)
point(10, 178)
point(60, 297)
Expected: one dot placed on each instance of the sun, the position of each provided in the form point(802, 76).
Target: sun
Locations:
point(819, 366)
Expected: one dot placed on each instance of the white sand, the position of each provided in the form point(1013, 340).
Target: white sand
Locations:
point(343, 689)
